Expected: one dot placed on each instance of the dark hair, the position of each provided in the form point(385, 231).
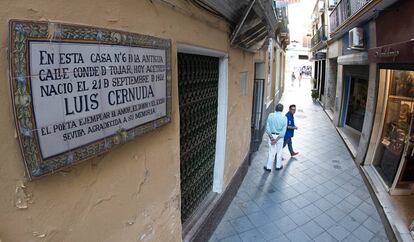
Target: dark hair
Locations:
point(292, 106)
point(279, 107)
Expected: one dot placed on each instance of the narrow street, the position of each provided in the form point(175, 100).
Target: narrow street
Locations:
point(144, 120)
point(317, 196)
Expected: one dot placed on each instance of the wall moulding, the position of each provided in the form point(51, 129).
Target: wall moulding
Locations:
point(78, 91)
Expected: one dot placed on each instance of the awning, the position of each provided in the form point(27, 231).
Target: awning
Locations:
point(253, 21)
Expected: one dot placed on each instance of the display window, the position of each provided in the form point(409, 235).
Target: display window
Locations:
point(357, 102)
point(394, 155)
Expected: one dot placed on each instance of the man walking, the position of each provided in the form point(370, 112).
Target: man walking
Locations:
point(275, 129)
point(290, 129)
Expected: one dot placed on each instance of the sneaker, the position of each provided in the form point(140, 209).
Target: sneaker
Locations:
point(265, 168)
point(294, 153)
point(280, 168)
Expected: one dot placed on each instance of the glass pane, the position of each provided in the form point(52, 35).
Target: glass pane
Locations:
point(397, 123)
point(407, 175)
point(357, 103)
point(402, 83)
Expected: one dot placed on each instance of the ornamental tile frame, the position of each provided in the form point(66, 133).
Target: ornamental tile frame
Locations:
point(21, 32)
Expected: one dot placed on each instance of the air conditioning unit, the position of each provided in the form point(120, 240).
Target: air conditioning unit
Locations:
point(356, 38)
point(332, 4)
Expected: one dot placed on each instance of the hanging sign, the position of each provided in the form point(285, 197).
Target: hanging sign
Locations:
point(79, 91)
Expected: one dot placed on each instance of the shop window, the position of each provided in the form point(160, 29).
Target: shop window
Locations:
point(397, 137)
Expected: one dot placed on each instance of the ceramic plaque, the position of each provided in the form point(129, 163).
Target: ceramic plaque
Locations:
point(78, 91)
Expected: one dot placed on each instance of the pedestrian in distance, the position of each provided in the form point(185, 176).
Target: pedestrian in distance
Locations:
point(275, 129)
point(290, 129)
point(293, 78)
point(300, 77)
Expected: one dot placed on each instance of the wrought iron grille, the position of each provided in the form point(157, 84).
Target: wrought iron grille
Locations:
point(198, 89)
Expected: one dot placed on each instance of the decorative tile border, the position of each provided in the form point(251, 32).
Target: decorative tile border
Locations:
point(21, 32)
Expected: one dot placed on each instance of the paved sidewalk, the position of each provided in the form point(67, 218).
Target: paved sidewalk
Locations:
point(318, 196)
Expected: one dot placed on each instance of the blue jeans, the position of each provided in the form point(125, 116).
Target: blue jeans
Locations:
point(288, 142)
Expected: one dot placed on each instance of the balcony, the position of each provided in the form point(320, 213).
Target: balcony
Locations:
point(344, 10)
point(319, 36)
point(281, 12)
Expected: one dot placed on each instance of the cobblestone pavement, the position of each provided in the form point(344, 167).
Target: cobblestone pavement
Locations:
point(318, 195)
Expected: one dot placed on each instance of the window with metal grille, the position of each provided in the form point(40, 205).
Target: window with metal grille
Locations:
point(198, 90)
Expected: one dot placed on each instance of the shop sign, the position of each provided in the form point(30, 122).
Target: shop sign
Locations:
point(394, 53)
point(78, 91)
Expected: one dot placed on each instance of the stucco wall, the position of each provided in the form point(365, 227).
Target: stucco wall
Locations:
point(239, 112)
point(131, 193)
point(334, 49)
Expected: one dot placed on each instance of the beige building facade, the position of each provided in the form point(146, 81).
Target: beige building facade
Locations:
point(134, 191)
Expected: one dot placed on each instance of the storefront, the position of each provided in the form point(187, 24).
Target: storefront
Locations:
point(355, 98)
point(355, 88)
point(393, 156)
point(354, 102)
point(389, 162)
point(320, 74)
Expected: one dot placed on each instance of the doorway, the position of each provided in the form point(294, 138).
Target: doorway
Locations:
point(198, 79)
point(257, 128)
point(315, 75)
point(355, 99)
point(257, 112)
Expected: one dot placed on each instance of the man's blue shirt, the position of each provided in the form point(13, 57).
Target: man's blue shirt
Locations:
point(290, 122)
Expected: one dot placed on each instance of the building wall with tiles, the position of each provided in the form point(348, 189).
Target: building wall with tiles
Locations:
point(132, 192)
